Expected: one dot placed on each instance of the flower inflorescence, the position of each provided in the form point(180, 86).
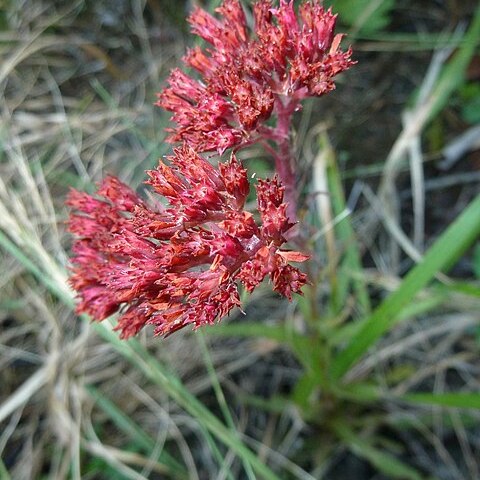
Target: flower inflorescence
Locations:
point(180, 258)
point(247, 75)
point(181, 263)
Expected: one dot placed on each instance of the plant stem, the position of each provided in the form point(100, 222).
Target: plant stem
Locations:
point(284, 157)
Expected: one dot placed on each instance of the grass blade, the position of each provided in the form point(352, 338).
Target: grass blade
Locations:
point(442, 255)
point(3, 471)
point(277, 333)
point(157, 373)
point(456, 400)
point(130, 428)
point(454, 72)
point(222, 402)
point(351, 266)
point(385, 463)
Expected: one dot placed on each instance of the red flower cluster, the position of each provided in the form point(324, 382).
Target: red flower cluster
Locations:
point(179, 263)
point(179, 259)
point(246, 76)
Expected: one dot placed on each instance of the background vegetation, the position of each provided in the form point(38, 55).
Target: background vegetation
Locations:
point(375, 373)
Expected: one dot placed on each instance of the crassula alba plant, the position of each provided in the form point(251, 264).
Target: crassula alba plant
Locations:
point(180, 259)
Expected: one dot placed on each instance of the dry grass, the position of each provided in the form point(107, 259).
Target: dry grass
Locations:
point(77, 103)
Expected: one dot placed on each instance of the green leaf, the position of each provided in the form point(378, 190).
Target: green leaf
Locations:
point(364, 392)
point(351, 271)
point(217, 388)
point(443, 254)
point(453, 74)
point(365, 16)
point(471, 111)
point(302, 392)
point(464, 288)
point(250, 330)
point(430, 418)
point(458, 400)
point(3, 471)
point(383, 461)
point(301, 345)
point(419, 307)
point(476, 261)
point(275, 404)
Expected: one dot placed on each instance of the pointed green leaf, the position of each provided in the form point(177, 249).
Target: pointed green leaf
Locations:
point(451, 245)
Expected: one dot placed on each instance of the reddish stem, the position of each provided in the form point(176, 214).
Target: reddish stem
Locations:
point(284, 157)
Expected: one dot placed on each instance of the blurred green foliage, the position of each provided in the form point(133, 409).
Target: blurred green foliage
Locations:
point(363, 16)
point(469, 95)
